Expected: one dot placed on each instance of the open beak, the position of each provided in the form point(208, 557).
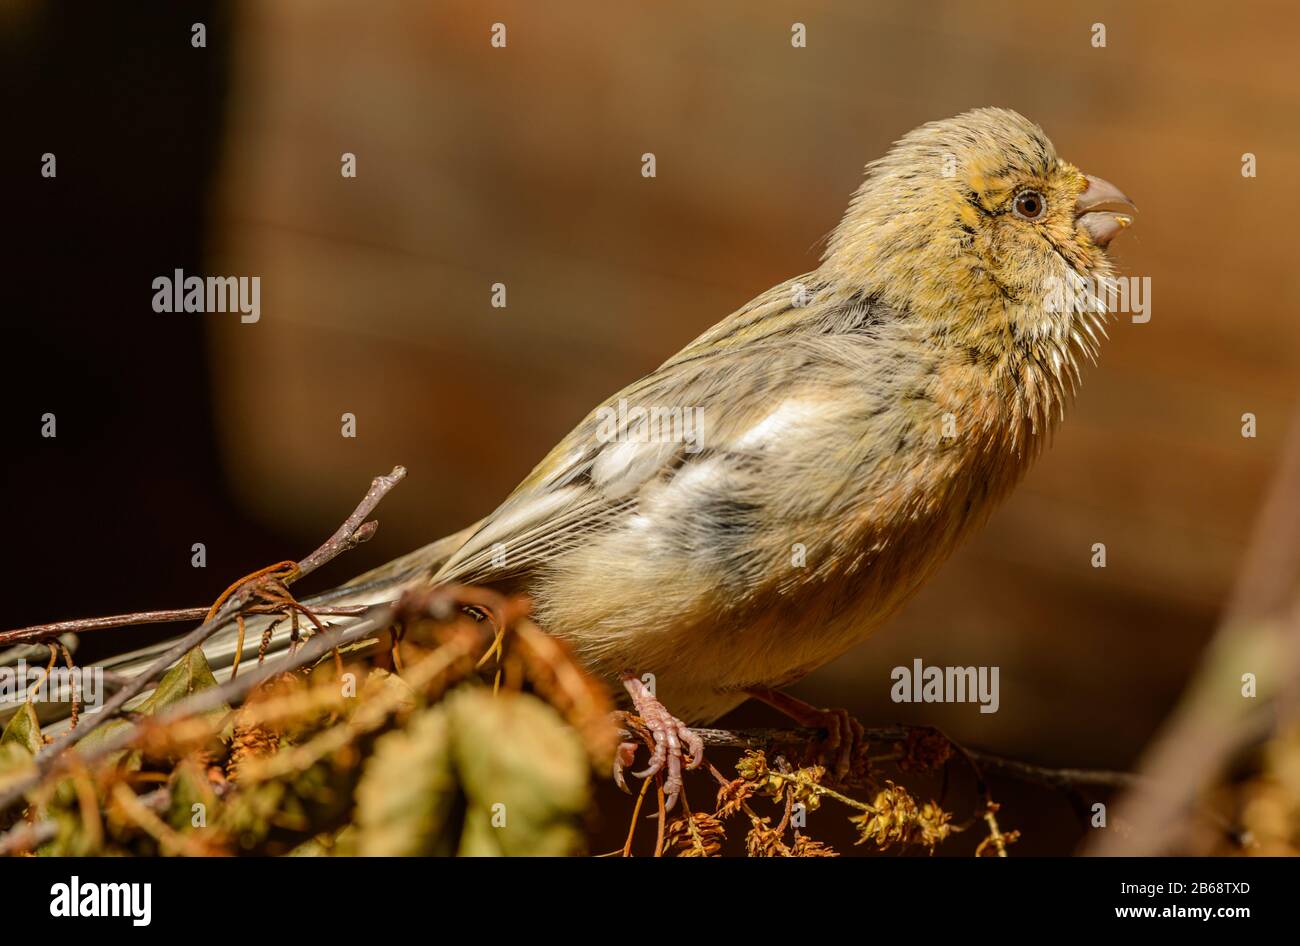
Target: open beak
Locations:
point(1101, 225)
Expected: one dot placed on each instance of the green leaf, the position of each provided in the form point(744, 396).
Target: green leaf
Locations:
point(524, 772)
point(191, 675)
point(189, 787)
point(130, 757)
point(16, 763)
point(19, 744)
point(407, 798)
point(24, 730)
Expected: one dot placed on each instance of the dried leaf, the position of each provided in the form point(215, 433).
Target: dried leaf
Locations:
point(753, 766)
point(805, 846)
point(251, 741)
point(732, 797)
point(764, 841)
point(700, 835)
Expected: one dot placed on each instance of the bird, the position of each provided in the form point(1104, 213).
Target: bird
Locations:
point(772, 493)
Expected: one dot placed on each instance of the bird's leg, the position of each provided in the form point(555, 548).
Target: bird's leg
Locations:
point(669, 734)
point(843, 733)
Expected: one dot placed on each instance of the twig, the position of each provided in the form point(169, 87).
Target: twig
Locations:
point(374, 618)
point(348, 535)
point(1023, 771)
point(663, 817)
point(355, 529)
point(80, 625)
point(636, 813)
point(1055, 778)
point(38, 632)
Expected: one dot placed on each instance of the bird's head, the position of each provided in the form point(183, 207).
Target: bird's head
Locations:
point(975, 207)
point(972, 223)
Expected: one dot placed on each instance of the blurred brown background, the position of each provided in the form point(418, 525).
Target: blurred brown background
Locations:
point(522, 165)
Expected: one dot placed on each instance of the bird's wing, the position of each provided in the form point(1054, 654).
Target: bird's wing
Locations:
point(769, 353)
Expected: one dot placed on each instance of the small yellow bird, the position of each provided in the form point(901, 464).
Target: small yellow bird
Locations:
point(770, 494)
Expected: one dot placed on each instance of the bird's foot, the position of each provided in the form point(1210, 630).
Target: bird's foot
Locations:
point(844, 735)
point(669, 735)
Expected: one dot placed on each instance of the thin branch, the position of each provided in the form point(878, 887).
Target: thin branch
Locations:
point(80, 625)
point(355, 529)
point(1012, 768)
point(1054, 778)
point(38, 632)
point(348, 535)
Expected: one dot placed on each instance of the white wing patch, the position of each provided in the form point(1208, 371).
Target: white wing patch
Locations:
point(789, 420)
point(623, 468)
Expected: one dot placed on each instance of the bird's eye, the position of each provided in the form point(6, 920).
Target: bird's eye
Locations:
point(1029, 205)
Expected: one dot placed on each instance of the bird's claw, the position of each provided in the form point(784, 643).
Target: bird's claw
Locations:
point(624, 756)
point(845, 736)
point(669, 735)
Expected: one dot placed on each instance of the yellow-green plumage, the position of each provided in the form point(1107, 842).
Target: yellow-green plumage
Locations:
point(825, 431)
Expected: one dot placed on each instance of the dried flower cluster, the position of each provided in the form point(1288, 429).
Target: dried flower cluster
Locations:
point(893, 819)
